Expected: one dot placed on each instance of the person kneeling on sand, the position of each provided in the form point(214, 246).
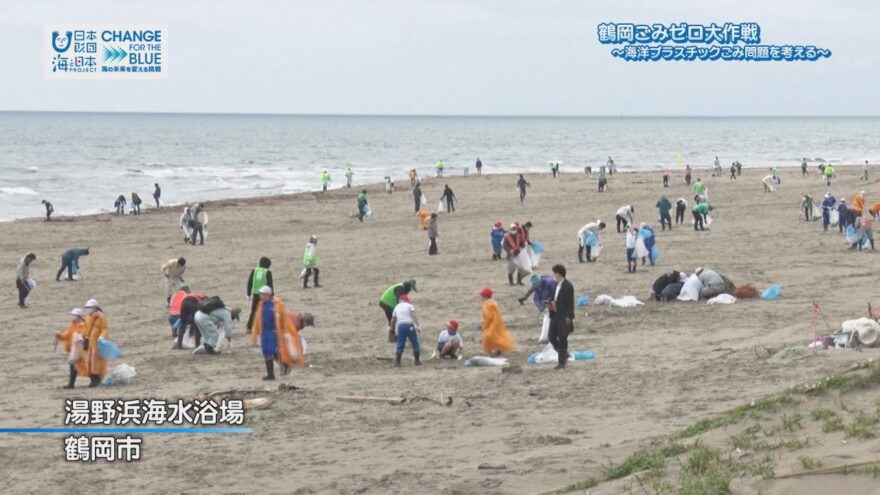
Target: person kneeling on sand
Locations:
point(667, 286)
point(713, 283)
point(278, 337)
point(449, 343)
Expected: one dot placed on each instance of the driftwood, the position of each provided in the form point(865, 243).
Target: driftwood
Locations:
point(258, 403)
point(239, 391)
point(356, 398)
point(492, 466)
point(829, 470)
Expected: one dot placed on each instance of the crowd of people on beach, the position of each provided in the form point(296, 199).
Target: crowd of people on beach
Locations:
point(205, 324)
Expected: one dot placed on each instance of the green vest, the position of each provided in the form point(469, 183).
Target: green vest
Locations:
point(259, 279)
point(388, 297)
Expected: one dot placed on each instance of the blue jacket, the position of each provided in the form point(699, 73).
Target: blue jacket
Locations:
point(545, 292)
point(841, 210)
point(72, 254)
point(649, 240)
point(497, 236)
point(828, 202)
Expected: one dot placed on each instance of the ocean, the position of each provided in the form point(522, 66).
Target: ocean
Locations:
point(82, 161)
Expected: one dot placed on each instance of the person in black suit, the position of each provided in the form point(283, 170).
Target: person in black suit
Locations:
point(561, 315)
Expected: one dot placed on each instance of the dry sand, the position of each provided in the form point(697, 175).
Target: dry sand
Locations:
point(658, 368)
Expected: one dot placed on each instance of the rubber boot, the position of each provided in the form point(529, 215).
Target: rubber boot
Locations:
point(270, 370)
point(416, 356)
point(317, 285)
point(72, 377)
point(509, 279)
point(580, 255)
point(397, 360)
point(306, 278)
point(94, 381)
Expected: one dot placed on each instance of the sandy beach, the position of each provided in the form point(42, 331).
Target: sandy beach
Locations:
point(659, 368)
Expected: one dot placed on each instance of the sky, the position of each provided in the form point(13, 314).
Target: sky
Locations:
point(448, 57)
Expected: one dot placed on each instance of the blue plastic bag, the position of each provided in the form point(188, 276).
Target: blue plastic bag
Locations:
point(591, 240)
point(655, 254)
point(645, 234)
point(771, 292)
point(583, 300)
point(582, 355)
point(108, 350)
point(537, 247)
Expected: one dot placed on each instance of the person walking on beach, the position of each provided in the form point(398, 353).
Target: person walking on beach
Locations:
point(135, 203)
point(561, 315)
point(631, 235)
point(362, 205)
point(664, 206)
point(681, 206)
point(417, 196)
point(829, 174)
point(513, 245)
point(157, 193)
point(666, 178)
point(310, 262)
point(120, 205)
point(733, 171)
point(173, 271)
point(389, 300)
point(261, 276)
point(440, 166)
point(804, 168)
point(739, 168)
point(603, 182)
point(449, 198)
point(624, 217)
point(827, 205)
point(554, 169)
point(49, 210)
point(522, 184)
point(611, 166)
point(496, 337)
point(807, 204)
point(348, 176)
point(389, 185)
point(843, 218)
point(432, 235)
point(413, 178)
point(195, 223)
point(325, 180)
point(687, 174)
point(406, 325)
point(278, 337)
point(699, 187)
point(864, 171)
point(22, 278)
point(70, 262)
point(716, 169)
point(479, 167)
point(588, 237)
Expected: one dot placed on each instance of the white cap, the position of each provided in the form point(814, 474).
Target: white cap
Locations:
point(266, 290)
point(92, 303)
point(76, 312)
point(698, 270)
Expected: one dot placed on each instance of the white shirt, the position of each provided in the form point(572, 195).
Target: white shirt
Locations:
point(630, 239)
point(624, 211)
point(446, 337)
point(590, 227)
point(403, 312)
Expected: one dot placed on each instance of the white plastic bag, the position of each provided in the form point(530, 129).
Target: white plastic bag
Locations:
point(545, 328)
point(691, 289)
point(523, 262)
point(722, 299)
point(623, 302)
point(77, 353)
point(485, 361)
point(188, 340)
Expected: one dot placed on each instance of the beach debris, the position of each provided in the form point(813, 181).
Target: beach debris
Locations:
point(257, 403)
point(622, 302)
point(771, 293)
point(722, 299)
point(497, 467)
point(239, 391)
point(512, 369)
point(765, 352)
point(121, 375)
point(485, 361)
point(844, 469)
point(746, 292)
point(865, 330)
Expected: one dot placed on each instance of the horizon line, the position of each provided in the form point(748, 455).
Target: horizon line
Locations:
point(430, 115)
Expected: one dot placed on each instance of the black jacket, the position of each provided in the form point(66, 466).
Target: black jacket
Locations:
point(564, 301)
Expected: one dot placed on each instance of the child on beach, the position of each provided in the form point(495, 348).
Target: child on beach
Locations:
point(496, 235)
point(496, 337)
point(630, 249)
point(449, 343)
point(72, 338)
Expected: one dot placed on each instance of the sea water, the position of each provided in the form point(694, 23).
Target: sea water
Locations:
point(82, 161)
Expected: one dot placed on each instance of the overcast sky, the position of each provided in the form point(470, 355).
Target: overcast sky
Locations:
point(489, 57)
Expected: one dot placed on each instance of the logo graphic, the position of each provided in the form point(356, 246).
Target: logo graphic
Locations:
point(66, 41)
point(113, 54)
point(105, 51)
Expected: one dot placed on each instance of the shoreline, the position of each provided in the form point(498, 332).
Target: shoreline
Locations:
point(380, 187)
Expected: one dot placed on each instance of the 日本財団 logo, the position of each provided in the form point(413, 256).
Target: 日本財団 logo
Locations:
point(97, 51)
